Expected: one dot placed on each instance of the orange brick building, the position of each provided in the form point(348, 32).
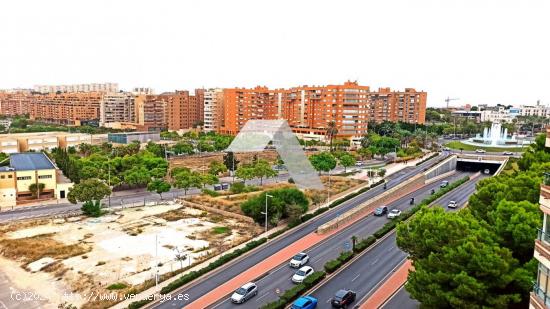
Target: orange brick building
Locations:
point(15, 103)
point(66, 108)
point(309, 109)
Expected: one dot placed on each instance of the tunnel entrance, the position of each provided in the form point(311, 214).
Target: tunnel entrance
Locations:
point(477, 166)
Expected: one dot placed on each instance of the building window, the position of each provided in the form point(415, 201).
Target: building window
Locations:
point(24, 178)
point(2, 177)
point(45, 177)
point(541, 287)
point(10, 176)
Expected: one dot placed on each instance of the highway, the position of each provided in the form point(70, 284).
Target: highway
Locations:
point(369, 271)
point(222, 275)
point(279, 279)
point(401, 300)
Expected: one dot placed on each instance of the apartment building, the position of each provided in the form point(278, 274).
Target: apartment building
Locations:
point(309, 109)
point(213, 110)
point(151, 114)
point(66, 108)
point(536, 110)
point(94, 87)
point(15, 103)
point(117, 107)
point(540, 297)
point(143, 90)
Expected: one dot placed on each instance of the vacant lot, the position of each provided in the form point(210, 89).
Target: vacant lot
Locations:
point(119, 252)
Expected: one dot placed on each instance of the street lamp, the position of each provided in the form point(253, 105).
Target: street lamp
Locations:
point(265, 213)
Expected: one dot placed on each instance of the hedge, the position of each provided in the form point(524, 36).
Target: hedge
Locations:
point(364, 244)
point(332, 265)
point(428, 158)
point(291, 294)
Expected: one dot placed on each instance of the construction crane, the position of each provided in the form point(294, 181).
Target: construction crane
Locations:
point(447, 100)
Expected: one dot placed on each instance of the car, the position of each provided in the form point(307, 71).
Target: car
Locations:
point(486, 171)
point(508, 153)
point(452, 204)
point(359, 163)
point(394, 213)
point(299, 260)
point(225, 186)
point(244, 293)
point(302, 273)
point(305, 302)
point(446, 149)
point(217, 187)
point(343, 298)
point(444, 183)
point(480, 151)
point(380, 211)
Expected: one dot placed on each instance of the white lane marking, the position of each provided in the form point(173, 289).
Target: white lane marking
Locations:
point(355, 278)
point(260, 297)
point(375, 261)
point(328, 301)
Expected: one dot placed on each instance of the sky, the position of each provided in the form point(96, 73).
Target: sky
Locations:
point(480, 51)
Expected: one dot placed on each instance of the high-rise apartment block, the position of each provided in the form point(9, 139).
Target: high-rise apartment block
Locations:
point(151, 112)
point(309, 109)
point(117, 107)
point(183, 111)
point(105, 87)
point(213, 110)
point(540, 297)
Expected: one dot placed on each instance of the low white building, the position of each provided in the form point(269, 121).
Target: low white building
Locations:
point(497, 115)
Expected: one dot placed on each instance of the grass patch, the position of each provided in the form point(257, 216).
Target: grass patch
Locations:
point(34, 248)
point(221, 230)
point(460, 145)
point(117, 286)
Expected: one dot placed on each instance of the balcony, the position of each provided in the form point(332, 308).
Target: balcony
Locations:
point(541, 297)
point(542, 236)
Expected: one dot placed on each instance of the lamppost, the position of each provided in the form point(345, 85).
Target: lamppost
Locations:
point(265, 213)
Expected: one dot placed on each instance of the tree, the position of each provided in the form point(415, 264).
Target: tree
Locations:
point(456, 262)
point(159, 186)
point(155, 149)
point(137, 175)
point(92, 208)
point(332, 130)
point(209, 179)
point(365, 153)
point(245, 173)
point(186, 179)
point(183, 147)
point(284, 203)
point(88, 190)
point(36, 189)
point(263, 169)
point(323, 161)
point(230, 161)
point(216, 168)
point(346, 161)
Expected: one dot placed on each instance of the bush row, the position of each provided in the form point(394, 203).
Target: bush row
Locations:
point(428, 158)
point(196, 274)
point(333, 265)
point(291, 294)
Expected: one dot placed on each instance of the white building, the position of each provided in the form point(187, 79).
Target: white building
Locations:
point(94, 87)
point(537, 110)
point(117, 107)
point(213, 105)
point(497, 115)
point(143, 90)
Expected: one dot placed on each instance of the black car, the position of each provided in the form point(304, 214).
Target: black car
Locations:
point(380, 211)
point(343, 298)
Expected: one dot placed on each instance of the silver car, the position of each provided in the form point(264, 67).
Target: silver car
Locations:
point(244, 293)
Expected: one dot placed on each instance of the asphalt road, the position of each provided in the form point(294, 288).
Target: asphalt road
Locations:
point(402, 300)
point(279, 279)
point(222, 275)
point(369, 271)
point(129, 198)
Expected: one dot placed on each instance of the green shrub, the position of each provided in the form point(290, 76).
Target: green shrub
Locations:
point(210, 192)
point(117, 286)
point(237, 187)
point(293, 293)
point(333, 265)
point(140, 303)
point(428, 158)
point(364, 244)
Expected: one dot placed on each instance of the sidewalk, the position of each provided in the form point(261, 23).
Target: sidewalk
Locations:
point(389, 287)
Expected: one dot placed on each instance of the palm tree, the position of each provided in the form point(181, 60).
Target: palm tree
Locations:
point(332, 130)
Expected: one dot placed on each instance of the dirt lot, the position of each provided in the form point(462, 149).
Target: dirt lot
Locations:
point(200, 163)
point(113, 253)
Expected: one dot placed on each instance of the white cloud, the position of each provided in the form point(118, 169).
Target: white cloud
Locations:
point(481, 51)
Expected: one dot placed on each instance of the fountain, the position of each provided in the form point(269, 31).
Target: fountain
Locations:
point(495, 136)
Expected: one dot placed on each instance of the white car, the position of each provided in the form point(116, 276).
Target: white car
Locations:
point(301, 274)
point(244, 293)
point(480, 151)
point(299, 260)
point(486, 171)
point(508, 153)
point(452, 204)
point(394, 213)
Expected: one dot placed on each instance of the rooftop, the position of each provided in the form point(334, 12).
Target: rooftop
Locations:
point(29, 161)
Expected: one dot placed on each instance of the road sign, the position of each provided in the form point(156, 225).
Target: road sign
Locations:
point(347, 245)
